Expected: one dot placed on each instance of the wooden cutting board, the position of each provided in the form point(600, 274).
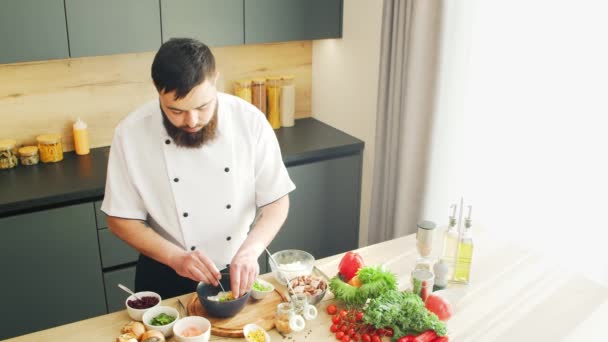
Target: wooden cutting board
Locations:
point(260, 312)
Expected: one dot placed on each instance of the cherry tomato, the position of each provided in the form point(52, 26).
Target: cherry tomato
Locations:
point(339, 335)
point(357, 338)
point(346, 338)
point(380, 332)
point(359, 316)
point(350, 332)
point(439, 307)
point(336, 319)
point(376, 338)
point(334, 328)
point(344, 328)
point(366, 338)
point(343, 313)
point(332, 309)
point(389, 332)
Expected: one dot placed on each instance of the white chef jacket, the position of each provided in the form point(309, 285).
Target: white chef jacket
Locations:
point(198, 198)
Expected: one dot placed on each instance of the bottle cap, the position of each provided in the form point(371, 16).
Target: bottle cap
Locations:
point(7, 144)
point(28, 150)
point(79, 124)
point(428, 225)
point(48, 138)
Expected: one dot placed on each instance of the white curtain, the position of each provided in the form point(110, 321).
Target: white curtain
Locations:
point(520, 128)
point(408, 63)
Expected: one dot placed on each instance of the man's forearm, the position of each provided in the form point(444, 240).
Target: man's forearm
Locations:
point(268, 224)
point(139, 236)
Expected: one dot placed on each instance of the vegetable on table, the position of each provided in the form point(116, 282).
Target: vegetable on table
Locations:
point(439, 306)
point(349, 265)
point(404, 312)
point(375, 280)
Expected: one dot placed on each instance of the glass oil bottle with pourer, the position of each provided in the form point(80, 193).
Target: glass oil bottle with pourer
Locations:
point(462, 270)
point(450, 243)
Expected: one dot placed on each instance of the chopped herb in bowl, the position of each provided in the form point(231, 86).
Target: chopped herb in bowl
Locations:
point(261, 287)
point(162, 319)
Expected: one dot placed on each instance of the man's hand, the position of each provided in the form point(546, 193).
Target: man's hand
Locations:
point(244, 269)
point(196, 266)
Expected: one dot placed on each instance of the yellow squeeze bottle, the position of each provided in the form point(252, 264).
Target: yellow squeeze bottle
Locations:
point(462, 272)
point(81, 137)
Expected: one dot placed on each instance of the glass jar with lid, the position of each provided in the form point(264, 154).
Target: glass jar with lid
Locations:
point(288, 101)
point(28, 155)
point(258, 93)
point(273, 91)
point(8, 157)
point(50, 148)
point(242, 89)
point(287, 320)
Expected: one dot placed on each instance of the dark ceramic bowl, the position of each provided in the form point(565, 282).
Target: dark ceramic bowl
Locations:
point(220, 309)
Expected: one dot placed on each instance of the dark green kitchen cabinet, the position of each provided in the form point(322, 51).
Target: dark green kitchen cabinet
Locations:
point(116, 297)
point(114, 251)
point(51, 271)
point(286, 20)
point(324, 209)
point(32, 30)
point(112, 26)
point(215, 23)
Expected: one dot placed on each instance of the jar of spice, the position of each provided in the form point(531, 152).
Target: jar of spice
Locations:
point(286, 320)
point(424, 237)
point(8, 158)
point(50, 148)
point(242, 89)
point(273, 91)
point(258, 93)
point(422, 283)
point(287, 105)
point(28, 155)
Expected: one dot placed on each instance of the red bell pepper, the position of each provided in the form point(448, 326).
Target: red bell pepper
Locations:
point(349, 265)
point(442, 339)
point(427, 336)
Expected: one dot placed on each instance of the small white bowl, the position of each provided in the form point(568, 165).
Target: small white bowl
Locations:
point(137, 314)
point(198, 322)
point(166, 329)
point(253, 327)
point(261, 294)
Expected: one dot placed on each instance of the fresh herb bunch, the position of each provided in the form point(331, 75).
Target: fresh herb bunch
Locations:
point(404, 312)
point(375, 281)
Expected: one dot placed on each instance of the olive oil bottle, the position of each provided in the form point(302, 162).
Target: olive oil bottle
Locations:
point(462, 271)
point(450, 243)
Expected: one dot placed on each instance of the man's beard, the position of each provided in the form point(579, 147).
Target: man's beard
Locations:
point(191, 140)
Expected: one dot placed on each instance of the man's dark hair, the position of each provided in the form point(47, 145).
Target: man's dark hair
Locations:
point(180, 65)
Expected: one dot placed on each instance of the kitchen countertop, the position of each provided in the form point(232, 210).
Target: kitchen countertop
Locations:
point(515, 295)
point(82, 178)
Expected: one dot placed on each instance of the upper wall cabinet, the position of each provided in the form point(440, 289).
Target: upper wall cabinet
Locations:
point(284, 20)
point(112, 26)
point(213, 22)
point(32, 30)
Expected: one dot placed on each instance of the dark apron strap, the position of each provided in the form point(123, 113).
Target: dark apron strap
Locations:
point(151, 275)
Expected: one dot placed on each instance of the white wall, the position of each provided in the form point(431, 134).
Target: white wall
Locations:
point(345, 85)
point(521, 125)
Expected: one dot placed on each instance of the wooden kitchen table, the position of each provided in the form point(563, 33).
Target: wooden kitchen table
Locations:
point(515, 295)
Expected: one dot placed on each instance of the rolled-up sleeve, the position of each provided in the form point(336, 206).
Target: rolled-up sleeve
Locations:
point(272, 180)
point(121, 196)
